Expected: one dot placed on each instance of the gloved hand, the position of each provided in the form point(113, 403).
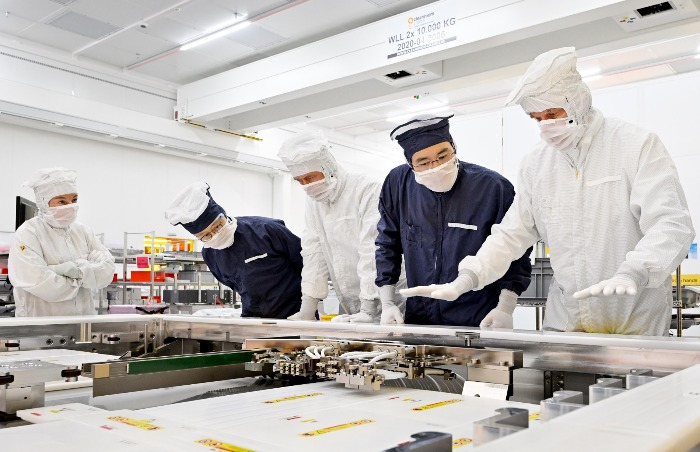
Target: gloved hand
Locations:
point(366, 315)
point(95, 256)
point(68, 269)
point(391, 314)
point(502, 315)
point(465, 282)
point(617, 285)
point(308, 309)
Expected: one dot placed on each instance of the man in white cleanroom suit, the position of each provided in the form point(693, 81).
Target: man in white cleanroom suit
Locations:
point(605, 197)
point(341, 227)
point(54, 260)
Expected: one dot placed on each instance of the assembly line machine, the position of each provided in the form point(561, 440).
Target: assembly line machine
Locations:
point(176, 382)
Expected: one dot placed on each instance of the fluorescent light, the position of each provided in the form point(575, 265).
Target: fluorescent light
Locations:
point(592, 78)
point(215, 35)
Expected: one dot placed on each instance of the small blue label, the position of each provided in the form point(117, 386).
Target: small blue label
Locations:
point(693, 253)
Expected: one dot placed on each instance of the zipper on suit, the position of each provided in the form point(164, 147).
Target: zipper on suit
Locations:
point(438, 248)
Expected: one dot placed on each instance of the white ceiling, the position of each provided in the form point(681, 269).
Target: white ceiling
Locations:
point(143, 37)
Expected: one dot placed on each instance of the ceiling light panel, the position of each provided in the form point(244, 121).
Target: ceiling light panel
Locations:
point(152, 5)
point(112, 12)
point(171, 30)
point(133, 41)
point(111, 55)
point(38, 10)
point(203, 15)
point(13, 24)
point(256, 37)
point(83, 25)
point(55, 37)
point(223, 50)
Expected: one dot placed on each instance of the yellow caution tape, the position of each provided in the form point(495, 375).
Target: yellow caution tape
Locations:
point(436, 405)
point(142, 424)
point(229, 132)
point(459, 442)
point(688, 280)
point(297, 397)
point(335, 428)
point(219, 445)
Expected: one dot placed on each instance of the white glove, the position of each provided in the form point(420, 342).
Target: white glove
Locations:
point(502, 315)
point(617, 285)
point(68, 269)
point(391, 314)
point(95, 257)
point(366, 315)
point(308, 309)
point(451, 291)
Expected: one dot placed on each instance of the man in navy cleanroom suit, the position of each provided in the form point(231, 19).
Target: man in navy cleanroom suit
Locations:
point(435, 210)
point(257, 257)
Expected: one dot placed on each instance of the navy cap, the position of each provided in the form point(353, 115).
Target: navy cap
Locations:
point(194, 208)
point(422, 132)
point(211, 213)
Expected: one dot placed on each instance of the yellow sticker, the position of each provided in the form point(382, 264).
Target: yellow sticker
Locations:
point(435, 405)
point(219, 445)
point(22, 247)
point(688, 280)
point(534, 416)
point(459, 442)
point(335, 428)
point(287, 399)
point(142, 424)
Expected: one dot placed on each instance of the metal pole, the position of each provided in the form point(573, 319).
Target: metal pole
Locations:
point(199, 286)
point(126, 245)
point(151, 290)
point(679, 299)
point(538, 312)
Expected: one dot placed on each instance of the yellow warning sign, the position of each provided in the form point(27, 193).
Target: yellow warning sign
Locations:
point(219, 445)
point(534, 416)
point(459, 442)
point(296, 397)
point(688, 280)
point(436, 405)
point(144, 424)
point(335, 428)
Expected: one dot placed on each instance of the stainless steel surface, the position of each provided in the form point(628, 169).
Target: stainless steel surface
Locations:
point(562, 402)
point(119, 384)
point(605, 388)
point(27, 387)
point(506, 422)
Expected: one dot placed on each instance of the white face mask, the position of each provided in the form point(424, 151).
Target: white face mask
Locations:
point(61, 216)
point(223, 238)
point(320, 190)
point(562, 133)
point(439, 179)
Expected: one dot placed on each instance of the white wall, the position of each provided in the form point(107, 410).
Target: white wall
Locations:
point(121, 188)
point(664, 106)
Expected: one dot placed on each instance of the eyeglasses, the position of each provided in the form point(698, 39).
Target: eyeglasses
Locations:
point(215, 230)
point(429, 164)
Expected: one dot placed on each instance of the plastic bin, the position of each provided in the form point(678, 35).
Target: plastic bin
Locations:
point(542, 274)
point(145, 276)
